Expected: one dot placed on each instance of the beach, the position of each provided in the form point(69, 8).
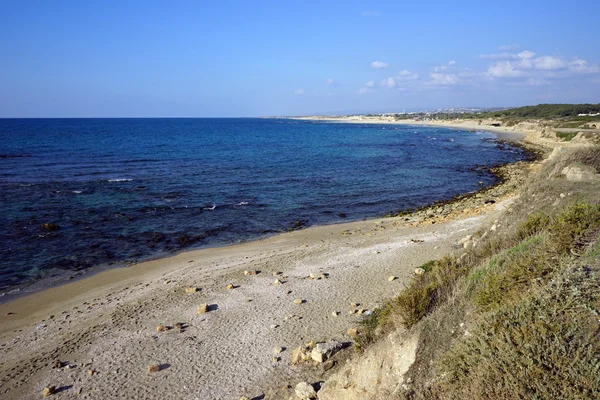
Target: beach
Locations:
point(104, 326)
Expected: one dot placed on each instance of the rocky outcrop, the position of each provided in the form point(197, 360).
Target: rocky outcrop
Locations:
point(376, 374)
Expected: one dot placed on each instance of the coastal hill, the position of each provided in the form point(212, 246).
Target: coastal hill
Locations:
point(512, 313)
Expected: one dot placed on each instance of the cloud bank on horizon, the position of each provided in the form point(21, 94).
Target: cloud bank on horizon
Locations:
point(81, 59)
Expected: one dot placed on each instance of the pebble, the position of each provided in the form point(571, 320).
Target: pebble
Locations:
point(191, 290)
point(278, 350)
point(392, 278)
point(202, 309)
point(161, 328)
point(304, 391)
point(352, 332)
point(230, 286)
point(277, 282)
point(419, 271)
point(153, 368)
point(335, 313)
point(298, 301)
point(247, 273)
point(48, 391)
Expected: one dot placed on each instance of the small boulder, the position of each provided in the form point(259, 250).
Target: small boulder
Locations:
point(352, 332)
point(298, 301)
point(192, 290)
point(300, 354)
point(153, 368)
point(392, 278)
point(161, 328)
point(230, 286)
point(248, 273)
point(49, 391)
point(202, 309)
point(323, 351)
point(305, 391)
point(277, 282)
point(419, 271)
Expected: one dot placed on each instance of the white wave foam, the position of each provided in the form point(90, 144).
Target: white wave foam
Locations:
point(120, 180)
point(77, 191)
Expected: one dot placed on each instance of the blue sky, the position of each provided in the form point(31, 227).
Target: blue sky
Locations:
point(253, 58)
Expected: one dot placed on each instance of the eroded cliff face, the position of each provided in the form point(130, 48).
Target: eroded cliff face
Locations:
point(376, 374)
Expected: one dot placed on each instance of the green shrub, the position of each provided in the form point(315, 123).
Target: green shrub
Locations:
point(546, 346)
point(532, 225)
point(570, 225)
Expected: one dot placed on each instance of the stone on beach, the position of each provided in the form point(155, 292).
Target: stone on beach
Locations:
point(301, 354)
point(161, 328)
point(278, 350)
point(202, 309)
point(277, 282)
point(419, 271)
point(392, 278)
point(323, 351)
point(352, 332)
point(153, 368)
point(305, 391)
point(191, 290)
point(298, 301)
point(248, 273)
point(48, 391)
point(230, 286)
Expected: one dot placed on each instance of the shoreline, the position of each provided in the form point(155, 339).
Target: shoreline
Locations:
point(67, 277)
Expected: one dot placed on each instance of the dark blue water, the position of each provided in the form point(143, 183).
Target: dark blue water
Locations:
point(126, 189)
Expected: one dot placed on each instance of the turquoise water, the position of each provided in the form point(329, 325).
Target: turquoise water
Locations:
point(128, 189)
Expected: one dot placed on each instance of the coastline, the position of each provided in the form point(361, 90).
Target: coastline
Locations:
point(119, 295)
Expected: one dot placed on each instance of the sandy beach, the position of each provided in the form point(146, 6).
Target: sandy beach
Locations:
point(102, 329)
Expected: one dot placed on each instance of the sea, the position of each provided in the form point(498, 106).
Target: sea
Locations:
point(79, 195)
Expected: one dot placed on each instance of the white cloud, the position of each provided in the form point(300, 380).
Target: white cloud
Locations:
point(501, 56)
point(406, 75)
point(440, 79)
point(299, 92)
point(508, 47)
point(537, 69)
point(504, 69)
point(549, 63)
point(371, 14)
point(331, 82)
point(526, 54)
point(370, 84)
point(444, 67)
point(583, 67)
point(379, 65)
point(389, 82)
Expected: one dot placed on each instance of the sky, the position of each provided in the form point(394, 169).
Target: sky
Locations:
point(258, 58)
